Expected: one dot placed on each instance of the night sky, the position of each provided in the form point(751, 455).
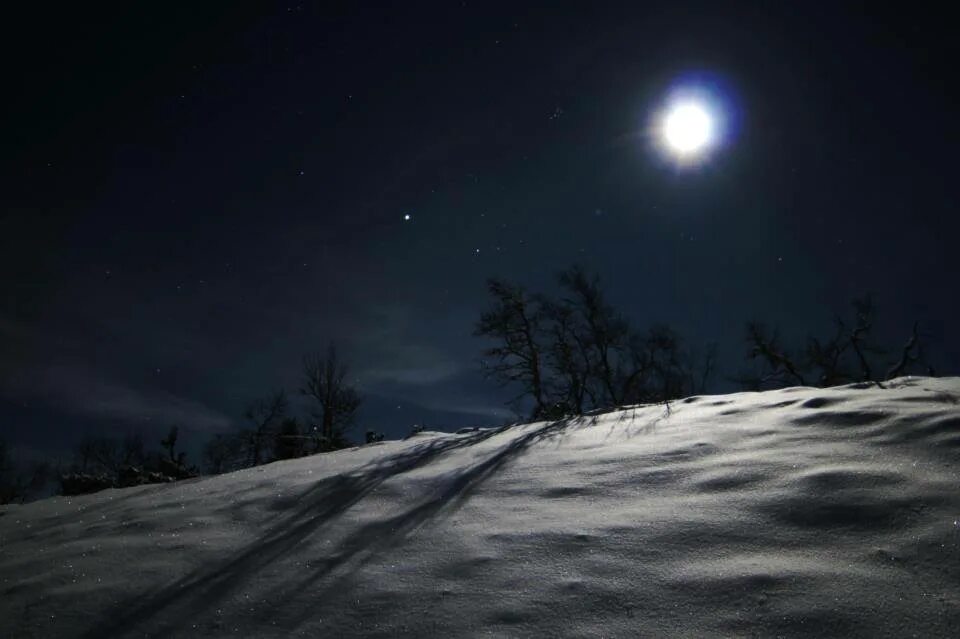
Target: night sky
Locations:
point(197, 194)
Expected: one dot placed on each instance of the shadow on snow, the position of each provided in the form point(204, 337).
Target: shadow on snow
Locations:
point(172, 607)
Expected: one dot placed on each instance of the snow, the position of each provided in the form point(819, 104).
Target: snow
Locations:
point(799, 513)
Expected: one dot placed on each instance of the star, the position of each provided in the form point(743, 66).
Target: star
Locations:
point(406, 217)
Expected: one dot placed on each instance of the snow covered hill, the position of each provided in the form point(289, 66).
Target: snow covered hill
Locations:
point(797, 512)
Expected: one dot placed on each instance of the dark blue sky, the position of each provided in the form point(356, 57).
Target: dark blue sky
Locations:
point(194, 197)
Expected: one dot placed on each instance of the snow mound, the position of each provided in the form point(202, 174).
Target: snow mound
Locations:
point(800, 512)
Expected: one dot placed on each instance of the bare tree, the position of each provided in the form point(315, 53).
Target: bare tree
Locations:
point(289, 441)
point(828, 356)
point(660, 369)
point(577, 352)
point(222, 453)
point(865, 313)
point(604, 332)
point(132, 452)
point(83, 455)
point(911, 354)
point(568, 356)
point(325, 382)
point(264, 416)
point(831, 358)
point(515, 321)
point(99, 455)
point(781, 367)
point(169, 443)
point(699, 386)
point(668, 375)
point(848, 355)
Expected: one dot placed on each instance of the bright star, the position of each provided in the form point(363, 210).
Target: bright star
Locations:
point(406, 217)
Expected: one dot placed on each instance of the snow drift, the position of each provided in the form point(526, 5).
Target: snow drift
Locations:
point(797, 512)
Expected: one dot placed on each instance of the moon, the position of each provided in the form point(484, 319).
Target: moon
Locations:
point(688, 128)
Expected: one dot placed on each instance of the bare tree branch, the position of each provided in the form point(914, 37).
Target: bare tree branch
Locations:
point(325, 381)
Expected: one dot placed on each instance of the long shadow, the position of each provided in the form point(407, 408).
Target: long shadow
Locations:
point(42, 526)
point(376, 538)
point(328, 498)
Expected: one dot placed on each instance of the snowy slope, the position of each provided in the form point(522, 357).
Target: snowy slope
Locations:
point(799, 512)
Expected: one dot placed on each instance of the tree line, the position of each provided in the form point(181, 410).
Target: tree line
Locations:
point(573, 353)
point(566, 354)
point(850, 354)
point(270, 432)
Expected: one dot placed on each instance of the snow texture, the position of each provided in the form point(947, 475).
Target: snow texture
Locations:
point(798, 513)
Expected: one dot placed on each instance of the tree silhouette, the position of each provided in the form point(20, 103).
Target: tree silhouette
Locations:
point(603, 333)
point(289, 441)
point(577, 352)
point(169, 443)
point(911, 354)
point(222, 453)
point(263, 415)
point(131, 451)
point(568, 356)
point(781, 368)
point(849, 355)
point(336, 402)
point(515, 321)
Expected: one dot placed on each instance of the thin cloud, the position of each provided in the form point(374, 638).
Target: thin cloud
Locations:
point(80, 391)
point(415, 375)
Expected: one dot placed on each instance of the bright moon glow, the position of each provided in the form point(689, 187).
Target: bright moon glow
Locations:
point(688, 128)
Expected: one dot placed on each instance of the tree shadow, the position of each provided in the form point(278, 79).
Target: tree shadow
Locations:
point(373, 539)
point(179, 603)
point(628, 420)
point(101, 503)
point(650, 427)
